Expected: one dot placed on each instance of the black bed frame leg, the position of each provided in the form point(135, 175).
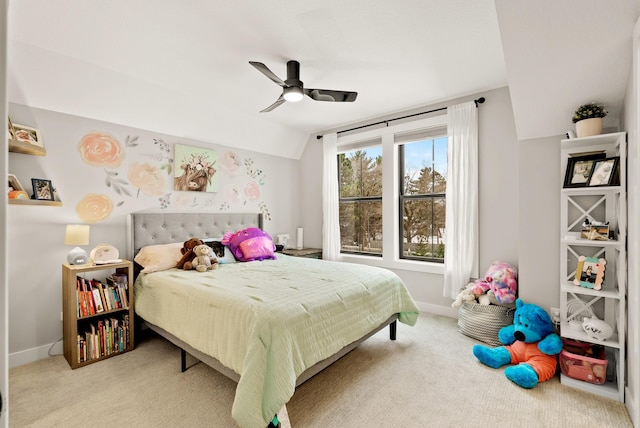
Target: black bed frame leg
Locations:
point(392, 330)
point(183, 360)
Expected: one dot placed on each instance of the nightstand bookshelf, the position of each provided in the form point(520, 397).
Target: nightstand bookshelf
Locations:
point(310, 253)
point(107, 330)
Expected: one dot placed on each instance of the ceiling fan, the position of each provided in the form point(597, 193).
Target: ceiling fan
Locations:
point(293, 90)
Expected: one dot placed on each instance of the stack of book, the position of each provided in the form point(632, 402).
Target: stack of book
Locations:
point(104, 337)
point(94, 297)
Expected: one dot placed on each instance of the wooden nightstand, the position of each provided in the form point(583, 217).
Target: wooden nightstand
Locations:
point(310, 253)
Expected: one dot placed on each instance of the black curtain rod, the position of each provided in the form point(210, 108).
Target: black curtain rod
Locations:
point(478, 101)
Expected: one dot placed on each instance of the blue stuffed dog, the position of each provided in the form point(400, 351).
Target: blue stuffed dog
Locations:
point(530, 344)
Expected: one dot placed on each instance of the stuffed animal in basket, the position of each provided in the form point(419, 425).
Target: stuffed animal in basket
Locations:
point(530, 345)
point(469, 294)
point(187, 253)
point(204, 260)
point(502, 279)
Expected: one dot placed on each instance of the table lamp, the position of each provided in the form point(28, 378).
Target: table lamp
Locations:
point(77, 234)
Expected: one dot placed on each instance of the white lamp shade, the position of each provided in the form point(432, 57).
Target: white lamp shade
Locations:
point(77, 234)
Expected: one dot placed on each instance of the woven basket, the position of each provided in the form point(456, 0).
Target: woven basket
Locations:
point(482, 322)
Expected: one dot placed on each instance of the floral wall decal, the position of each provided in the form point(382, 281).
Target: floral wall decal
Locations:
point(195, 169)
point(230, 164)
point(147, 179)
point(100, 149)
point(252, 191)
point(196, 174)
point(94, 208)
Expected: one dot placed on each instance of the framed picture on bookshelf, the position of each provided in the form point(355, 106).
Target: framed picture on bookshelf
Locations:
point(579, 169)
point(605, 172)
point(42, 189)
point(590, 272)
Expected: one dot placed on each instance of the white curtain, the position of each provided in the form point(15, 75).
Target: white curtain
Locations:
point(330, 210)
point(461, 238)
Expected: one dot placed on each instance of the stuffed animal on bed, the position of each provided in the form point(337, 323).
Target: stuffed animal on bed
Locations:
point(204, 260)
point(187, 253)
point(250, 244)
point(530, 345)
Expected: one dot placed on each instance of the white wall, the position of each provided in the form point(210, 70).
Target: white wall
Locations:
point(498, 190)
point(539, 228)
point(34, 277)
point(4, 304)
point(630, 124)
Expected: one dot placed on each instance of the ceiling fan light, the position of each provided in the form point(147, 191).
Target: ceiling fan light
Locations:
point(292, 94)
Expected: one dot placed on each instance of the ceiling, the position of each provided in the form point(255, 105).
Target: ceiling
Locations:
point(182, 68)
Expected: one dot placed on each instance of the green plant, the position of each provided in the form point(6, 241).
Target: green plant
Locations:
point(589, 111)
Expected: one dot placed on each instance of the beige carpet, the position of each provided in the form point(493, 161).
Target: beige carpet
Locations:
point(427, 378)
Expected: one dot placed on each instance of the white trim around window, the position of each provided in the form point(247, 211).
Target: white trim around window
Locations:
point(390, 191)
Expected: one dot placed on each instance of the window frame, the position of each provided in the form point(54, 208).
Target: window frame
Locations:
point(417, 197)
point(357, 199)
point(390, 213)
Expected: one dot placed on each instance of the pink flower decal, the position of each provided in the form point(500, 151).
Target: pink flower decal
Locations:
point(94, 208)
point(147, 178)
point(230, 164)
point(98, 149)
point(231, 194)
point(252, 191)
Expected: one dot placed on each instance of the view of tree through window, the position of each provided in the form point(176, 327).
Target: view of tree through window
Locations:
point(360, 175)
point(423, 172)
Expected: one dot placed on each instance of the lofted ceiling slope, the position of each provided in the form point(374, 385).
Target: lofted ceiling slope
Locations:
point(182, 68)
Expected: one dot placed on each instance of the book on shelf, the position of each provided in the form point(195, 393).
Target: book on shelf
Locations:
point(104, 337)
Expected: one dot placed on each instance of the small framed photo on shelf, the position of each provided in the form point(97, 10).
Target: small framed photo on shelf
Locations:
point(579, 169)
point(590, 272)
point(14, 184)
point(27, 134)
point(42, 189)
point(595, 233)
point(605, 172)
point(10, 131)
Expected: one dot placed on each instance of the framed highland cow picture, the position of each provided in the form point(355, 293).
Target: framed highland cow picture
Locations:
point(195, 169)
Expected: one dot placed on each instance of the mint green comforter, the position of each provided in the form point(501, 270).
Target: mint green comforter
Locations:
point(271, 320)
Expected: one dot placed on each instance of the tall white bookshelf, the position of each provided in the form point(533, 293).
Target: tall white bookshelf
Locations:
point(599, 203)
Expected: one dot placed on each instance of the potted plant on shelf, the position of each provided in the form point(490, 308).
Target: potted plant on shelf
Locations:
point(588, 119)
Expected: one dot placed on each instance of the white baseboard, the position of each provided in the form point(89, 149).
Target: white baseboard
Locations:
point(437, 309)
point(632, 407)
point(34, 354)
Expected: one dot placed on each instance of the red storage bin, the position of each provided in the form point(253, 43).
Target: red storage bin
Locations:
point(584, 361)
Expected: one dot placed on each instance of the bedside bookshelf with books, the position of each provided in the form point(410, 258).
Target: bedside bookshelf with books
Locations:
point(97, 307)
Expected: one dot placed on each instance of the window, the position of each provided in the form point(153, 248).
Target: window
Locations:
point(422, 203)
point(374, 195)
point(360, 205)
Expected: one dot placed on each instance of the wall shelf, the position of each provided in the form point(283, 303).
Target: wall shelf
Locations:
point(35, 202)
point(26, 148)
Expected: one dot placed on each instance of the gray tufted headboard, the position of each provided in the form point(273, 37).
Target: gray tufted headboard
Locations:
point(150, 228)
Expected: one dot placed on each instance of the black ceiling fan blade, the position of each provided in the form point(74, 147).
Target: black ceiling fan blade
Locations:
point(265, 70)
point(279, 101)
point(329, 95)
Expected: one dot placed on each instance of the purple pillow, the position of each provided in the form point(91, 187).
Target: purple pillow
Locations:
point(251, 244)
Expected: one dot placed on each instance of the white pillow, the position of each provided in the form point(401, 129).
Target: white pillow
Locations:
point(154, 258)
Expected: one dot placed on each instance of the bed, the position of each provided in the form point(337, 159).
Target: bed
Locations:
point(269, 325)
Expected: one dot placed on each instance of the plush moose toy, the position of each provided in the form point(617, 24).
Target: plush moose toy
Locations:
point(187, 253)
